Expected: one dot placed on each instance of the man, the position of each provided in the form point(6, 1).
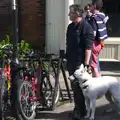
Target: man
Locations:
point(79, 41)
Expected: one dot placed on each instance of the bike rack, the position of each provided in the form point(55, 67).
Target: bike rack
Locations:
point(66, 82)
point(60, 67)
point(62, 52)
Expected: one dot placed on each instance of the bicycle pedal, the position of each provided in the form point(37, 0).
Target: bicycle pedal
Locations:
point(10, 118)
point(33, 107)
point(38, 103)
point(35, 99)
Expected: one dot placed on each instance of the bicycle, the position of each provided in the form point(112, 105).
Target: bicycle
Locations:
point(28, 101)
point(7, 99)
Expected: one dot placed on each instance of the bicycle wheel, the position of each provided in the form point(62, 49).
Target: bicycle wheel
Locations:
point(48, 91)
point(27, 106)
point(5, 105)
point(55, 96)
point(56, 87)
point(3, 98)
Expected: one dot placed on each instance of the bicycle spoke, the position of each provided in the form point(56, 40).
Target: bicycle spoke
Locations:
point(27, 106)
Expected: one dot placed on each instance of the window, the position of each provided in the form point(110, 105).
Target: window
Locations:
point(112, 9)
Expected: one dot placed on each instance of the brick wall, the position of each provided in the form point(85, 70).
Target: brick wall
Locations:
point(32, 21)
point(5, 18)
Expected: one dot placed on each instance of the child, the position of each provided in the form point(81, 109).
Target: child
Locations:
point(100, 33)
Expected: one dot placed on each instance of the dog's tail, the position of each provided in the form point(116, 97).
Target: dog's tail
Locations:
point(109, 97)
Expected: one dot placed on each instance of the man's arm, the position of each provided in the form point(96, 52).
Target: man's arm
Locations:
point(87, 56)
point(88, 39)
point(94, 26)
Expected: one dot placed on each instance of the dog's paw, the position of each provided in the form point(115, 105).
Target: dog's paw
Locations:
point(87, 116)
point(91, 118)
point(118, 113)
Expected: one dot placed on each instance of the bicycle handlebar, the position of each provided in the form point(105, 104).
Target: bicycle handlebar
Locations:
point(29, 56)
point(37, 56)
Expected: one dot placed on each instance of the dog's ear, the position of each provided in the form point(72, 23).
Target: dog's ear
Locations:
point(85, 69)
point(81, 67)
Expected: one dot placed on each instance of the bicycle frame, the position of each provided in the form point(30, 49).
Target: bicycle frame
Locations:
point(36, 80)
point(9, 85)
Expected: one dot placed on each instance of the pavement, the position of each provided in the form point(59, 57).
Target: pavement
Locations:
point(62, 110)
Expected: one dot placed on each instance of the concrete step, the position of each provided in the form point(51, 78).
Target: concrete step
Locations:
point(109, 64)
point(109, 67)
point(110, 73)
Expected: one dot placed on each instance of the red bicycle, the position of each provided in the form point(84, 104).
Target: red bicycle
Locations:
point(39, 87)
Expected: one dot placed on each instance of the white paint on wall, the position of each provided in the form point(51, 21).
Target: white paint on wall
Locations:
point(56, 24)
point(82, 2)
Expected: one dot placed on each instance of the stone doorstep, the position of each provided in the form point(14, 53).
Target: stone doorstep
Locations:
point(108, 60)
point(110, 73)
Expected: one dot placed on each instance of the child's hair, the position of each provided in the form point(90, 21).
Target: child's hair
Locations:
point(98, 4)
point(87, 7)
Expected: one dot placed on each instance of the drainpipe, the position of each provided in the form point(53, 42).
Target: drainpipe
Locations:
point(67, 21)
point(15, 34)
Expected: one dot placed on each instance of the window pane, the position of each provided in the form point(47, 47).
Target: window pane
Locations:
point(112, 9)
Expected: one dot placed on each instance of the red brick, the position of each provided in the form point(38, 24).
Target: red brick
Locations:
point(32, 21)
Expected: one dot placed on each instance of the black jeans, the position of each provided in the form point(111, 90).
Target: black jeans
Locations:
point(79, 99)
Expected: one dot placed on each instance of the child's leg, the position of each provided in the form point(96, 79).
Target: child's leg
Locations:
point(95, 61)
point(99, 70)
point(98, 65)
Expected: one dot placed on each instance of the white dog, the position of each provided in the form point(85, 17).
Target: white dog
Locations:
point(94, 88)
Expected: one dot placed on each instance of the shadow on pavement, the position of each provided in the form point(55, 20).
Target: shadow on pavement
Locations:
point(101, 114)
point(54, 116)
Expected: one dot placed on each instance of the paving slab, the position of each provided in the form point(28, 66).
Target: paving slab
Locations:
point(62, 112)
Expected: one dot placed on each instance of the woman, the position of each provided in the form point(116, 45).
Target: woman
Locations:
point(90, 18)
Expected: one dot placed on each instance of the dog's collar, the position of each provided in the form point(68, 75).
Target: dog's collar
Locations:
point(85, 87)
point(75, 77)
point(84, 81)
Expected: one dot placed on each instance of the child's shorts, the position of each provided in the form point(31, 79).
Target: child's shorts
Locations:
point(95, 53)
